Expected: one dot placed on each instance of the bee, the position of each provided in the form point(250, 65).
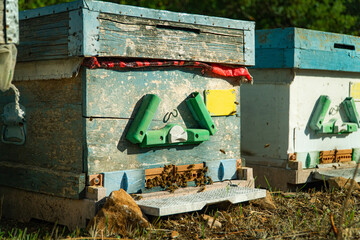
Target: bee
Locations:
point(176, 178)
point(223, 151)
point(201, 174)
point(210, 181)
point(204, 180)
point(202, 189)
point(197, 182)
point(171, 189)
point(138, 197)
point(191, 166)
point(156, 181)
point(206, 169)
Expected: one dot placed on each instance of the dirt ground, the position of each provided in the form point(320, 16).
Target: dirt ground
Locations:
point(307, 214)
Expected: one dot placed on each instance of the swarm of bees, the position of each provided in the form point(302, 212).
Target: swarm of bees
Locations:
point(171, 179)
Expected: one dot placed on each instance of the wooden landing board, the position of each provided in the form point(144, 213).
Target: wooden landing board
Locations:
point(325, 174)
point(181, 203)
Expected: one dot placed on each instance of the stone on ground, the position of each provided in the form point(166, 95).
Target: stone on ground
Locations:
point(265, 203)
point(210, 221)
point(341, 182)
point(119, 215)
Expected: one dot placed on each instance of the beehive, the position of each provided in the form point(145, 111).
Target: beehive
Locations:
point(78, 117)
point(301, 115)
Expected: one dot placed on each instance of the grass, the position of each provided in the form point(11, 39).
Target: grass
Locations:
point(306, 214)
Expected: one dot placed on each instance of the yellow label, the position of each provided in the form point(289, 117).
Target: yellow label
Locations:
point(221, 102)
point(355, 91)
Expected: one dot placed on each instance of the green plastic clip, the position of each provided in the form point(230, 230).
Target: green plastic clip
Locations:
point(171, 134)
point(197, 135)
point(143, 118)
point(317, 119)
point(165, 137)
point(350, 110)
point(328, 127)
point(199, 111)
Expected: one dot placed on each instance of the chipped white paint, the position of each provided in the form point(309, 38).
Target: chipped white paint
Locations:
point(277, 108)
point(304, 92)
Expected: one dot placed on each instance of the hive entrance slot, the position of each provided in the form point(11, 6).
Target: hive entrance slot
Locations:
point(344, 46)
point(194, 30)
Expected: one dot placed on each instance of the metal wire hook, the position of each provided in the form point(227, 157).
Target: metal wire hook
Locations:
point(169, 114)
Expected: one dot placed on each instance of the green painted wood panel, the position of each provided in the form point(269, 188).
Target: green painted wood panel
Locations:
point(112, 98)
point(54, 125)
point(42, 180)
point(108, 150)
point(148, 38)
point(44, 37)
point(117, 94)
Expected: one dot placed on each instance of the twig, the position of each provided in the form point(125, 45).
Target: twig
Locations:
point(160, 230)
point(241, 231)
point(333, 224)
point(292, 235)
point(338, 237)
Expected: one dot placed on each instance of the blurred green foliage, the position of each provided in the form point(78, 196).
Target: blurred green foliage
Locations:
point(341, 16)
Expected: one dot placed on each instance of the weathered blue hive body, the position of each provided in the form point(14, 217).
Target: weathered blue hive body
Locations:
point(307, 98)
point(77, 118)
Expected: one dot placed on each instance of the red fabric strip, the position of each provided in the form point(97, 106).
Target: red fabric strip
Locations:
point(217, 69)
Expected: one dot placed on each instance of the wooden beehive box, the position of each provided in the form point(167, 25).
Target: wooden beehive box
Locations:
point(299, 74)
point(77, 118)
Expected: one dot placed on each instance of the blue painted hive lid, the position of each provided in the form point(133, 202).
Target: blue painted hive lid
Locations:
point(114, 8)
point(306, 49)
point(94, 28)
